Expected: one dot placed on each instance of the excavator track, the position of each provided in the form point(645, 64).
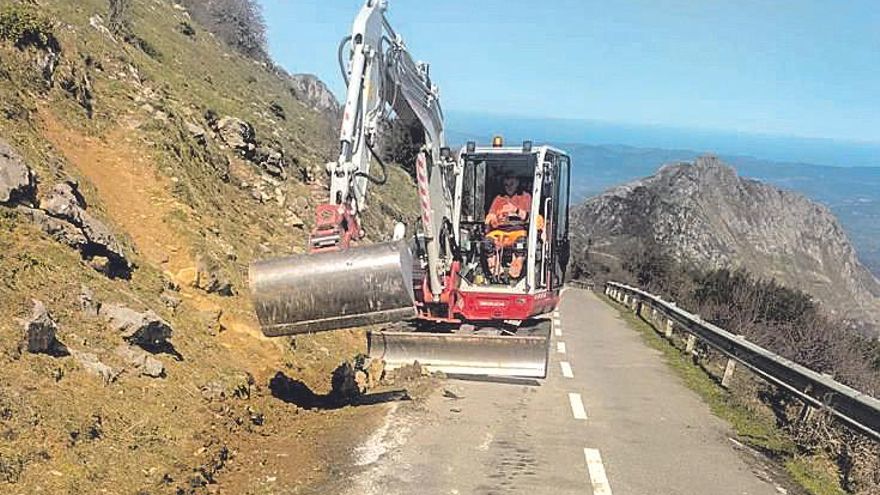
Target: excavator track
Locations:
point(507, 351)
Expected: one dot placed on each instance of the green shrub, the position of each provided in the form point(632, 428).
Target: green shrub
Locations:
point(24, 26)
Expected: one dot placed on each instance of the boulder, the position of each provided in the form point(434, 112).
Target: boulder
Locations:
point(236, 133)
point(60, 230)
point(344, 385)
point(17, 181)
point(63, 215)
point(65, 202)
point(145, 329)
point(271, 159)
point(197, 132)
point(141, 360)
point(90, 363)
point(39, 332)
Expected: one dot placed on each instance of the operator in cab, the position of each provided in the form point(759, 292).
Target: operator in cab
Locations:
point(507, 221)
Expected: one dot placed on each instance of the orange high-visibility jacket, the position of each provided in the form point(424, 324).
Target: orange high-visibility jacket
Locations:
point(503, 205)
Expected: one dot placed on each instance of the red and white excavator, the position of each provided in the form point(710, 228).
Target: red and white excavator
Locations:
point(448, 295)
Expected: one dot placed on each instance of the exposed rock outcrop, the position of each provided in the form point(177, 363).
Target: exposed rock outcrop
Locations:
point(315, 94)
point(62, 214)
point(17, 181)
point(240, 136)
point(704, 214)
point(141, 360)
point(147, 329)
point(39, 333)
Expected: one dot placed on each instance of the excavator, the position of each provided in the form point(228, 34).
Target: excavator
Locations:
point(448, 296)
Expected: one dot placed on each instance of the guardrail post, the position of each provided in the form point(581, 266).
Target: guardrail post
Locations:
point(691, 343)
point(654, 314)
point(670, 325)
point(805, 415)
point(728, 373)
point(637, 306)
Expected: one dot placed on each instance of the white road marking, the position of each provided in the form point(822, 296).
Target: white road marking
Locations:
point(560, 347)
point(566, 369)
point(557, 329)
point(596, 470)
point(577, 406)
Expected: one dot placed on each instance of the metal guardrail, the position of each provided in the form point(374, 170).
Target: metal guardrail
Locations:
point(816, 390)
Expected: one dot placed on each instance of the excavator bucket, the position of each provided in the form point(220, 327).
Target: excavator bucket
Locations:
point(521, 354)
point(333, 290)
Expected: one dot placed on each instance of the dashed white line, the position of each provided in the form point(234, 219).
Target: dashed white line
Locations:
point(566, 369)
point(577, 406)
point(557, 329)
point(560, 347)
point(596, 470)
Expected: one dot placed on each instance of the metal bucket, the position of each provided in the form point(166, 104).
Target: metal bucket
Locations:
point(465, 354)
point(338, 289)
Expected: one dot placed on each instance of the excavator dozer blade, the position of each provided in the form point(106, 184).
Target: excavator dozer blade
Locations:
point(333, 290)
point(465, 354)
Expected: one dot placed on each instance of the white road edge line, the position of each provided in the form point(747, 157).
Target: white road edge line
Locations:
point(577, 406)
point(566, 369)
point(596, 470)
point(560, 347)
point(557, 329)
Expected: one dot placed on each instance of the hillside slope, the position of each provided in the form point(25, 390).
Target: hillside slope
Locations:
point(704, 214)
point(140, 172)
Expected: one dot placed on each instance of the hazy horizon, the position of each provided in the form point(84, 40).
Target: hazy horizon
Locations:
point(774, 147)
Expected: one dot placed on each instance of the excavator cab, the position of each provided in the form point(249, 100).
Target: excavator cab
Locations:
point(538, 239)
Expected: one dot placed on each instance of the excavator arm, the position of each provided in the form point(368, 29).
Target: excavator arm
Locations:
point(339, 285)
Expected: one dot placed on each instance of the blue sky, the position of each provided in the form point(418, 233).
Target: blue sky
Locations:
point(791, 67)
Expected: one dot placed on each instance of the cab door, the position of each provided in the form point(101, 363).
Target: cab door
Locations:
point(561, 250)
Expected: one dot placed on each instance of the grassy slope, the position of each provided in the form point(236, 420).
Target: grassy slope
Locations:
point(161, 192)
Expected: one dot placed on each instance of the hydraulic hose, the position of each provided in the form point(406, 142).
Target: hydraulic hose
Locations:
point(339, 57)
point(379, 181)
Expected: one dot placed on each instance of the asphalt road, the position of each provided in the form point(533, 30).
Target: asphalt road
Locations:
point(610, 418)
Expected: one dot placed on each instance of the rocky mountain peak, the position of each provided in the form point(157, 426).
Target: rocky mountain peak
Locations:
point(315, 94)
point(704, 214)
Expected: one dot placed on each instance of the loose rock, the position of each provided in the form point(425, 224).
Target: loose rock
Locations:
point(145, 329)
point(236, 133)
point(141, 360)
point(39, 332)
point(91, 364)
